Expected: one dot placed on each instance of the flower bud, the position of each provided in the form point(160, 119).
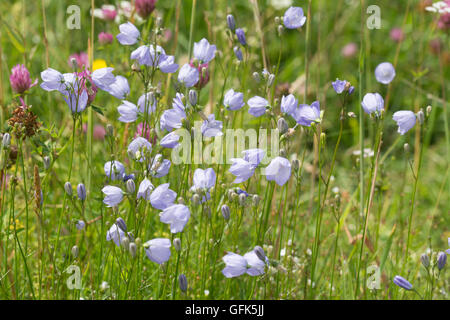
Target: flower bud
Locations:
point(46, 161)
point(256, 200)
point(406, 147)
point(131, 187)
point(109, 130)
point(429, 110)
point(441, 260)
point(75, 251)
point(177, 244)
point(282, 125)
point(6, 140)
point(280, 30)
point(193, 97)
point(183, 282)
point(125, 242)
point(180, 200)
point(242, 198)
point(81, 190)
point(133, 249)
point(121, 224)
point(231, 22)
point(225, 212)
point(195, 199)
point(256, 77)
point(68, 188)
point(425, 260)
point(421, 116)
point(277, 20)
point(270, 80)
point(283, 153)
point(260, 253)
point(296, 164)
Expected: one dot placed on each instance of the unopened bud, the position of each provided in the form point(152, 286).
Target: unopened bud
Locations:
point(109, 130)
point(133, 249)
point(6, 140)
point(425, 260)
point(183, 282)
point(75, 251)
point(193, 97)
point(429, 110)
point(121, 224)
point(131, 187)
point(177, 244)
point(81, 190)
point(180, 200)
point(256, 199)
point(260, 253)
point(421, 116)
point(282, 125)
point(195, 199)
point(242, 198)
point(225, 212)
point(296, 164)
point(68, 188)
point(270, 80)
point(256, 77)
point(125, 242)
point(406, 147)
point(280, 30)
point(46, 161)
point(231, 22)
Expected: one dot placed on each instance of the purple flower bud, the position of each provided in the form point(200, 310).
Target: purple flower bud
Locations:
point(241, 36)
point(121, 224)
point(402, 283)
point(238, 53)
point(183, 282)
point(225, 212)
point(441, 260)
point(81, 190)
point(231, 22)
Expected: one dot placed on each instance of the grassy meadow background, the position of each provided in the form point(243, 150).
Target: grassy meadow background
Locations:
point(36, 241)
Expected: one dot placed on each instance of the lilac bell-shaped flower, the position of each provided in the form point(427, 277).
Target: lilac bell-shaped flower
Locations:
point(385, 72)
point(162, 197)
point(158, 250)
point(257, 106)
point(177, 216)
point(233, 100)
point(294, 18)
point(279, 170)
point(128, 35)
point(405, 120)
point(113, 196)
